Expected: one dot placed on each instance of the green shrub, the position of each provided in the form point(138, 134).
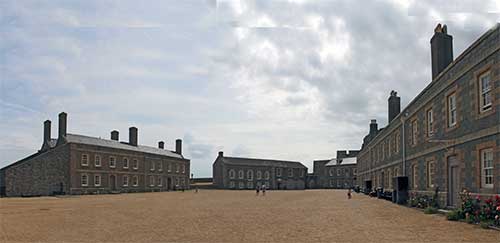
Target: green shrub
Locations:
point(486, 224)
point(454, 215)
point(430, 210)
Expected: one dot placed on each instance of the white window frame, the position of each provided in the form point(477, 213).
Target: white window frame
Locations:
point(183, 168)
point(160, 181)
point(135, 181)
point(278, 172)
point(487, 171)
point(430, 122)
point(241, 185)
point(331, 171)
point(152, 165)
point(232, 174)
point(169, 167)
point(160, 166)
point(112, 165)
point(250, 175)
point(177, 167)
point(354, 171)
point(151, 181)
point(267, 175)
point(97, 180)
point(452, 109)
point(414, 176)
point(241, 174)
point(125, 180)
point(259, 175)
point(431, 171)
point(231, 184)
point(290, 172)
point(85, 160)
point(249, 185)
point(339, 172)
point(135, 164)
point(97, 161)
point(414, 132)
point(125, 163)
point(485, 93)
point(84, 182)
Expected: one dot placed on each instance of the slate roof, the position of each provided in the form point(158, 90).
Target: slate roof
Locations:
point(332, 162)
point(262, 162)
point(81, 139)
point(344, 161)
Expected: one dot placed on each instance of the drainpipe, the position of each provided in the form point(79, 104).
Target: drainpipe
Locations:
point(404, 139)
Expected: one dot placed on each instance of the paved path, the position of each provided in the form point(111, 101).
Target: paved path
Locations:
point(227, 216)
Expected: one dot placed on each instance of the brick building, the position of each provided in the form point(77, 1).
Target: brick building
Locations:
point(247, 173)
point(447, 138)
point(77, 164)
point(338, 173)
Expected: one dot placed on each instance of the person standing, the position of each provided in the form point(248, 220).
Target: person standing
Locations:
point(257, 190)
point(263, 189)
point(349, 193)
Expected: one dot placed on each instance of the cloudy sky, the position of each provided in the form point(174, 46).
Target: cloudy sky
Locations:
point(280, 79)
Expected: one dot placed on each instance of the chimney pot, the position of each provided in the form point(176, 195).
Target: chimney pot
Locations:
point(115, 135)
point(161, 145)
point(373, 127)
point(132, 136)
point(221, 154)
point(178, 146)
point(394, 103)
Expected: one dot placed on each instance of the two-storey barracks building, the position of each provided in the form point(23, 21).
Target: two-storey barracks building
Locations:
point(447, 138)
point(77, 164)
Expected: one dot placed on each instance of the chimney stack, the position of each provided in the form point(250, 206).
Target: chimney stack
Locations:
point(221, 154)
point(63, 119)
point(46, 131)
point(341, 154)
point(394, 105)
point(441, 50)
point(132, 136)
point(178, 146)
point(115, 135)
point(373, 127)
point(161, 145)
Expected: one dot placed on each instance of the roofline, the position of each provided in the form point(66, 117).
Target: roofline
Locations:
point(435, 80)
point(264, 160)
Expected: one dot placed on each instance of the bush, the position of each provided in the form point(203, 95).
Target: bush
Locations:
point(430, 210)
point(454, 215)
point(486, 224)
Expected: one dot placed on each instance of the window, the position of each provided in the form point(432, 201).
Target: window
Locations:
point(84, 180)
point(97, 161)
point(136, 164)
point(250, 175)
point(259, 175)
point(452, 110)
point(331, 172)
point(169, 167)
point(339, 184)
point(338, 172)
point(266, 175)
point(354, 171)
point(125, 180)
point(398, 139)
point(332, 183)
point(151, 180)
point(389, 146)
point(152, 166)
point(125, 163)
point(240, 174)
point(290, 172)
point(487, 168)
point(430, 123)
point(97, 180)
point(430, 174)
point(414, 132)
point(160, 181)
point(414, 176)
point(183, 169)
point(231, 184)
point(177, 168)
point(383, 150)
point(231, 174)
point(249, 185)
point(85, 160)
point(347, 172)
point(241, 185)
point(160, 166)
point(302, 173)
point(112, 162)
point(135, 181)
point(396, 171)
point(278, 172)
point(485, 92)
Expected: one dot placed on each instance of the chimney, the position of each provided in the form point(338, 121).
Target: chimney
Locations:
point(46, 131)
point(161, 145)
point(221, 154)
point(178, 146)
point(63, 117)
point(441, 50)
point(373, 127)
point(115, 135)
point(394, 105)
point(132, 136)
point(341, 154)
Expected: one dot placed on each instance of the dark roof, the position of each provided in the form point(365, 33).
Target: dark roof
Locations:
point(81, 139)
point(262, 162)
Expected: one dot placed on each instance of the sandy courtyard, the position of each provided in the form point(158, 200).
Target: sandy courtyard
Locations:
point(226, 216)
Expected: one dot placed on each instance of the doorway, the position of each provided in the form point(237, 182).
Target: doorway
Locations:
point(169, 183)
point(112, 182)
point(453, 181)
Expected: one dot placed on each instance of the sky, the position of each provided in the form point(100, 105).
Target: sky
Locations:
point(292, 80)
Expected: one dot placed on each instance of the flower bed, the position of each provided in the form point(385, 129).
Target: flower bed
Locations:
point(474, 210)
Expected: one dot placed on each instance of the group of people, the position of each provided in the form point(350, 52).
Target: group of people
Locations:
point(260, 188)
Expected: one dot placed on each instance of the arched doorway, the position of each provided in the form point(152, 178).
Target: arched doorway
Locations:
point(112, 182)
point(169, 183)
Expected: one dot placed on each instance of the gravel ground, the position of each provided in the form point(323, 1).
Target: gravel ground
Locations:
point(226, 216)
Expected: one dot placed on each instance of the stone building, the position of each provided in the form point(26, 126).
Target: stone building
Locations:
point(338, 173)
point(447, 138)
point(247, 173)
point(78, 164)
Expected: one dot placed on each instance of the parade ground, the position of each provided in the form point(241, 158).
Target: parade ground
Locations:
point(226, 216)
